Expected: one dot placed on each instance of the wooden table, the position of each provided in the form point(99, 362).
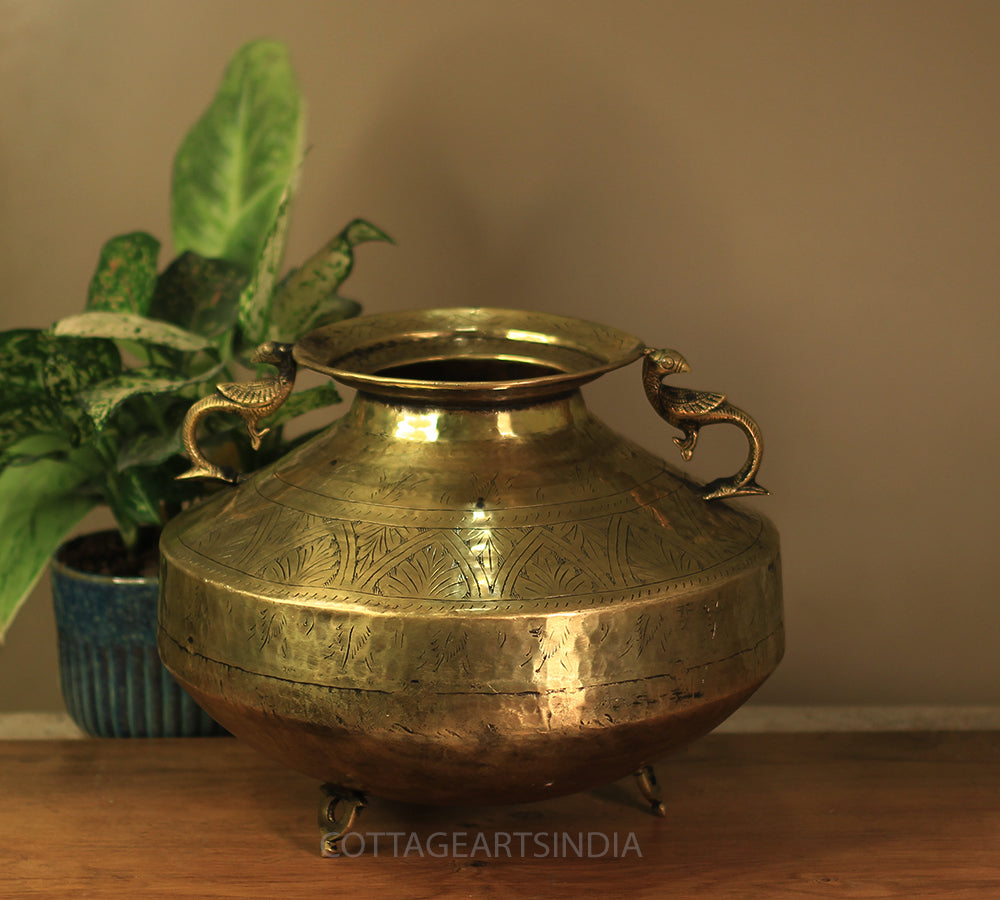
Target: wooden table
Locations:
point(749, 816)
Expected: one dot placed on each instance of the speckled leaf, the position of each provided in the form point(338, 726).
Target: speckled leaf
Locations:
point(134, 503)
point(149, 449)
point(20, 421)
point(232, 168)
point(39, 506)
point(24, 406)
point(73, 364)
point(126, 274)
point(308, 298)
point(42, 377)
point(129, 327)
point(199, 294)
point(255, 301)
point(101, 401)
point(303, 402)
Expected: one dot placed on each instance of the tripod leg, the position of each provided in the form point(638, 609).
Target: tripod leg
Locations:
point(645, 779)
point(338, 809)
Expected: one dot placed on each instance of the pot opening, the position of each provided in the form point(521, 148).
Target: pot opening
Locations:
point(469, 370)
point(471, 355)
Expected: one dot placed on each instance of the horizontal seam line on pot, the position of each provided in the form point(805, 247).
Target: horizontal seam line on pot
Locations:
point(598, 684)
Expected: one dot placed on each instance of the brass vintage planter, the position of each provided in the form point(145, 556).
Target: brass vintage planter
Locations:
point(468, 589)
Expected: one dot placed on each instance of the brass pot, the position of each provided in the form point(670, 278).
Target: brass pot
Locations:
point(468, 589)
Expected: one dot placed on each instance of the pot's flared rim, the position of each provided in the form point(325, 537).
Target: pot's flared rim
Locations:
point(466, 354)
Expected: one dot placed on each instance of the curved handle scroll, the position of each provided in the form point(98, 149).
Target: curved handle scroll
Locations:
point(251, 400)
point(690, 410)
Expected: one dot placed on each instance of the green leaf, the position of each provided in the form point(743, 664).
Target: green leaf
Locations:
point(126, 274)
point(136, 502)
point(25, 408)
point(255, 301)
point(201, 295)
point(42, 377)
point(73, 364)
point(232, 168)
point(39, 506)
point(130, 327)
point(149, 449)
point(101, 401)
point(303, 402)
point(23, 354)
point(308, 298)
point(34, 447)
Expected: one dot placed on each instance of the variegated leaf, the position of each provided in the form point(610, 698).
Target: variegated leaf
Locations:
point(308, 298)
point(42, 377)
point(303, 402)
point(135, 501)
point(126, 274)
point(255, 300)
point(149, 449)
point(101, 401)
point(233, 166)
point(73, 364)
point(201, 295)
point(129, 327)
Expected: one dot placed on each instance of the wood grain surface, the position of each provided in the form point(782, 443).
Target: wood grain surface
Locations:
point(908, 815)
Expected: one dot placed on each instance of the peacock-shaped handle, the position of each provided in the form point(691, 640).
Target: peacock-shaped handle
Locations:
point(252, 401)
point(690, 410)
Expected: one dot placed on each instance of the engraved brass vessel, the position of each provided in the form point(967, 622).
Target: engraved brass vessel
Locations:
point(468, 589)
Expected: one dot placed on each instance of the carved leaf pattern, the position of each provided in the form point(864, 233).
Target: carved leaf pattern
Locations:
point(269, 628)
point(391, 489)
point(375, 542)
point(488, 548)
point(350, 644)
point(552, 639)
point(448, 650)
point(649, 553)
point(546, 560)
point(315, 562)
point(649, 632)
point(431, 573)
point(550, 574)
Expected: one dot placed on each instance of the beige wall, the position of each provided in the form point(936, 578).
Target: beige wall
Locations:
point(804, 197)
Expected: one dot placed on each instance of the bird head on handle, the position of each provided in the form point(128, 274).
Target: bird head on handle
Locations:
point(666, 362)
point(272, 352)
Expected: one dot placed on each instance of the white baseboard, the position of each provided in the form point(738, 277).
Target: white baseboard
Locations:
point(31, 726)
point(753, 718)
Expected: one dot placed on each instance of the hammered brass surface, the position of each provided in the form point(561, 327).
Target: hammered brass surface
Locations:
point(480, 602)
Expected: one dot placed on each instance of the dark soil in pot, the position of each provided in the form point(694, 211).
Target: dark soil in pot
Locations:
point(105, 553)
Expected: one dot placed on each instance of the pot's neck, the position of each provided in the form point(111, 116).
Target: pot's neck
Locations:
point(426, 423)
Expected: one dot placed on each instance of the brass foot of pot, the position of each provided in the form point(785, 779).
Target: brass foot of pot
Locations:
point(338, 809)
point(645, 779)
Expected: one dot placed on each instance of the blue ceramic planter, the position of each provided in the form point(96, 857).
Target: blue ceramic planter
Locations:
point(113, 681)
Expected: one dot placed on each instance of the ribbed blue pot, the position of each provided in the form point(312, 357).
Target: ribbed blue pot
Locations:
point(113, 681)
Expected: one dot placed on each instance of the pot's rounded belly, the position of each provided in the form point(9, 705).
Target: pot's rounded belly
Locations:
point(482, 709)
point(419, 627)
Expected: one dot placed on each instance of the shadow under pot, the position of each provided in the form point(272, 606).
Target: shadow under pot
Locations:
point(113, 682)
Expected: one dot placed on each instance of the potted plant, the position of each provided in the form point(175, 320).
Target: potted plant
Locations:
point(91, 408)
